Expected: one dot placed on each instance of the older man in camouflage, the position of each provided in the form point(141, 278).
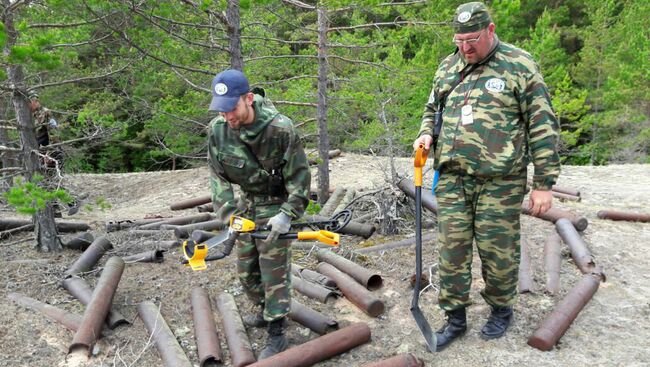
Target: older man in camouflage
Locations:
point(253, 146)
point(496, 119)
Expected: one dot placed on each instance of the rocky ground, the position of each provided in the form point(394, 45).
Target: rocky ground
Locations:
point(612, 330)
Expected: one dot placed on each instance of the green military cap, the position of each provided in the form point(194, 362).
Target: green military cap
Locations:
point(471, 17)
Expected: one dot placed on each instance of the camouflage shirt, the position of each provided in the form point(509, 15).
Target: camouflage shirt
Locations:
point(41, 118)
point(513, 120)
point(249, 156)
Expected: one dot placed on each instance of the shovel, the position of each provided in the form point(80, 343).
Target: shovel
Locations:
point(423, 325)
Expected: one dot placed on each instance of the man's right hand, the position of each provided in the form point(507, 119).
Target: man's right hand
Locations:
point(425, 140)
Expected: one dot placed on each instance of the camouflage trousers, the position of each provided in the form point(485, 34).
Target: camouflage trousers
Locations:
point(263, 268)
point(486, 211)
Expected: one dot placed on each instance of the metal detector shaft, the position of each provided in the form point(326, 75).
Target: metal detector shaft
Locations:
point(423, 324)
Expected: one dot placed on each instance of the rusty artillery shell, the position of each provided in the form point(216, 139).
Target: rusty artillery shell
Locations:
point(353, 291)
point(205, 330)
point(396, 244)
point(563, 196)
point(557, 323)
point(365, 277)
point(311, 318)
point(313, 290)
point(119, 225)
point(210, 225)
point(565, 190)
point(319, 349)
point(98, 307)
point(553, 262)
point(68, 319)
point(187, 219)
point(152, 232)
point(402, 360)
point(626, 216)
point(428, 200)
point(153, 256)
point(525, 278)
point(553, 214)
point(332, 202)
point(89, 258)
point(79, 242)
point(239, 346)
point(312, 276)
point(170, 351)
point(10, 223)
point(200, 236)
point(80, 290)
point(352, 228)
point(68, 226)
point(579, 251)
point(191, 203)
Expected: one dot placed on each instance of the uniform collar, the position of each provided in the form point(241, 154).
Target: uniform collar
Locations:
point(265, 112)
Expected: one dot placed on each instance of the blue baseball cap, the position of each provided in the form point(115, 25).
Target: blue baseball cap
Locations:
point(227, 87)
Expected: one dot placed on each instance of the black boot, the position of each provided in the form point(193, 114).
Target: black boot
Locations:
point(255, 320)
point(455, 326)
point(498, 323)
point(277, 341)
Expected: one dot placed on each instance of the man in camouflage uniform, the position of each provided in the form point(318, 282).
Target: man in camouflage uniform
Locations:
point(253, 146)
point(497, 118)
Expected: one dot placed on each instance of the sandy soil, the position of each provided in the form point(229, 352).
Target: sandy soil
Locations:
point(612, 330)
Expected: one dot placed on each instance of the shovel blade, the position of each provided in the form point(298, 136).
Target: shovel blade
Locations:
point(425, 329)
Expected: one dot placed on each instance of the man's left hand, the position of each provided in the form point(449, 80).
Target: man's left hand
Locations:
point(540, 201)
point(280, 224)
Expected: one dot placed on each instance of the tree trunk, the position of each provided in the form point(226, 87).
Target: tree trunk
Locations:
point(324, 140)
point(9, 159)
point(234, 33)
point(44, 225)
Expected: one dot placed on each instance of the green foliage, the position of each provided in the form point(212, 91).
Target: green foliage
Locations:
point(29, 197)
point(312, 208)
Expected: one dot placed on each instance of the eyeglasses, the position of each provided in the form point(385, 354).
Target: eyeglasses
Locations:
point(470, 41)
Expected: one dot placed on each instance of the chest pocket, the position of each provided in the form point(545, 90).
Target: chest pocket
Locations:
point(232, 161)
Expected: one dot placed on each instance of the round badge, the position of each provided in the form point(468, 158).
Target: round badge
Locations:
point(495, 85)
point(220, 89)
point(464, 17)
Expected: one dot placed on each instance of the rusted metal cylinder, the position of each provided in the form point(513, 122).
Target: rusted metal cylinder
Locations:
point(205, 330)
point(119, 225)
point(313, 290)
point(563, 196)
point(579, 251)
point(626, 216)
point(312, 276)
point(239, 346)
point(210, 225)
point(79, 242)
point(98, 307)
point(553, 262)
point(525, 278)
point(68, 319)
point(328, 208)
point(331, 154)
point(191, 203)
point(89, 258)
point(151, 232)
point(153, 256)
point(206, 208)
point(402, 360)
point(68, 226)
point(352, 228)
point(397, 244)
point(187, 219)
point(80, 290)
point(565, 190)
point(557, 323)
point(553, 214)
point(353, 291)
point(365, 277)
point(311, 318)
point(10, 223)
point(170, 351)
point(428, 200)
point(319, 349)
point(200, 236)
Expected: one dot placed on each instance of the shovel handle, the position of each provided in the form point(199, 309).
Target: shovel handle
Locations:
point(420, 159)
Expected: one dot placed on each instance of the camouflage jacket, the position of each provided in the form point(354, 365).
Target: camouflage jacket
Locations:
point(250, 156)
point(513, 120)
point(41, 118)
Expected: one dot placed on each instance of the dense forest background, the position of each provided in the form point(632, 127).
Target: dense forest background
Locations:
point(128, 81)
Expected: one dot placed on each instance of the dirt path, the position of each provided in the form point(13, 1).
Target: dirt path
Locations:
point(612, 330)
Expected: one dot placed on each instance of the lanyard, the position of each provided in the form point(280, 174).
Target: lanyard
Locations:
point(468, 92)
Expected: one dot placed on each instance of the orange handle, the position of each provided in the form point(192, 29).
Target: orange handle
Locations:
point(420, 159)
point(323, 236)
